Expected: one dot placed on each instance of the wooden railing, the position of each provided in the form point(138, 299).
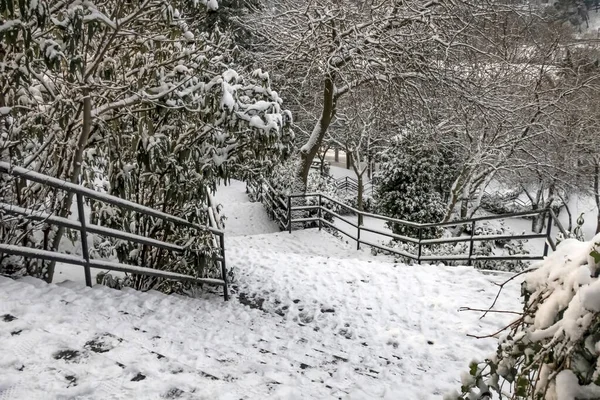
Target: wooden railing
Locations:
point(349, 184)
point(322, 206)
point(81, 193)
point(276, 205)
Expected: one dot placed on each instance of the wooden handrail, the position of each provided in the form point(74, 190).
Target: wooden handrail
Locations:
point(82, 226)
point(92, 194)
point(420, 242)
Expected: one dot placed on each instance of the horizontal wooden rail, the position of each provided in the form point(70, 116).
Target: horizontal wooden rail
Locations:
point(83, 227)
point(100, 230)
point(102, 197)
point(482, 238)
point(101, 264)
point(390, 235)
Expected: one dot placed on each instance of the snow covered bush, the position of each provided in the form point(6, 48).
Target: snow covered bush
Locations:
point(412, 181)
point(351, 200)
point(551, 352)
point(480, 248)
point(505, 247)
point(156, 113)
point(501, 203)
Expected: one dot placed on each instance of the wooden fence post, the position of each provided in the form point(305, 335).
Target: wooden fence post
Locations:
point(548, 233)
point(289, 213)
point(471, 243)
point(84, 243)
point(224, 267)
point(319, 215)
point(419, 251)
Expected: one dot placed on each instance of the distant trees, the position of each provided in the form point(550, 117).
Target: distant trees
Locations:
point(575, 12)
point(489, 78)
point(362, 129)
point(334, 48)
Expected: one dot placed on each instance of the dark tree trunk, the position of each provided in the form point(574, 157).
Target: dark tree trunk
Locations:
point(569, 214)
point(537, 224)
point(359, 198)
point(77, 164)
point(310, 149)
point(323, 160)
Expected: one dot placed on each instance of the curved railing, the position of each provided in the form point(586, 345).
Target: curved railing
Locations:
point(320, 207)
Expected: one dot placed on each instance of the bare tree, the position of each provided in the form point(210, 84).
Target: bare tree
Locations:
point(362, 130)
point(339, 46)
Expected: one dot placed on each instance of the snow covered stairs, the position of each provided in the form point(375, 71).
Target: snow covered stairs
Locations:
point(100, 343)
point(243, 217)
point(310, 318)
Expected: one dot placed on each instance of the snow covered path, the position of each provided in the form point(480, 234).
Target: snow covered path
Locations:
point(242, 216)
point(311, 319)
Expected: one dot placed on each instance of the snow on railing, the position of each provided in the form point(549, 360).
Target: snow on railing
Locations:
point(81, 193)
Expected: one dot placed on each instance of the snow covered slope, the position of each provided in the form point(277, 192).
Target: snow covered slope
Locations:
point(311, 319)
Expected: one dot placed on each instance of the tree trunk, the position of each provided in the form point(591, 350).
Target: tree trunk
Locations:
point(548, 204)
point(65, 209)
point(477, 200)
point(355, 163)
point(309, 150)
point(359, 198)
point(348, 161)
point(337, 155)
point(322, 159)
point(570, 226)
point(466, 197)
point(455, 191)
point(539, 221)
point(535, 205)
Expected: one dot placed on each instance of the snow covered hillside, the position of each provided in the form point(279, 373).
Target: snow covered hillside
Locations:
point(311, 318)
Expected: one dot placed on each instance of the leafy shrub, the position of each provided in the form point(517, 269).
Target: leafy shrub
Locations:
point(499, 247)
point(351, 200)
point(480, 248)
point(412, 181)
point(551, 351)
point(502, 202)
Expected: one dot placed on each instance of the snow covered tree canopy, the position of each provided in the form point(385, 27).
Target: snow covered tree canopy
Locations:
point(551, 351)
point(133, 97)
point(329, 49)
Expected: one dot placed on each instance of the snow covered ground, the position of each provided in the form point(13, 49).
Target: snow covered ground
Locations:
point(311, 318)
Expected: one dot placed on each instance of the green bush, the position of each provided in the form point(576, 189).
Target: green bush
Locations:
point(551, 351)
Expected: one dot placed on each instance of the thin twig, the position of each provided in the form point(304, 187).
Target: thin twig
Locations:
point(489, 311)
point(496, 333)
point(501, 286)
